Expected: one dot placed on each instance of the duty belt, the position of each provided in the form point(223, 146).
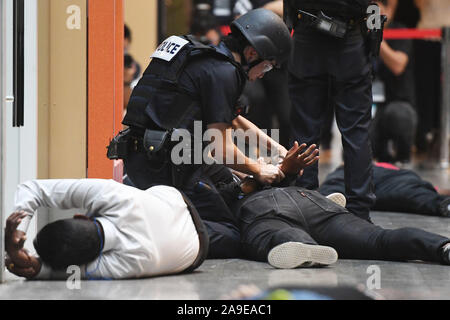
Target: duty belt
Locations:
point(335, 27)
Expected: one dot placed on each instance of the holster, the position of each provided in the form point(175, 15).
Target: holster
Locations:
point(118, 147)
point(375, 38)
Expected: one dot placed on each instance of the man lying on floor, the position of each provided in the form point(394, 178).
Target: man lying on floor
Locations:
point(126, 233)
point(397, 190)
point(291, 227)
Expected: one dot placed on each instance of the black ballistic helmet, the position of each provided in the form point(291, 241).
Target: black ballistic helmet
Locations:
point(266, 32)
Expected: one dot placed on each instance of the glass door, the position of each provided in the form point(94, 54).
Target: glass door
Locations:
point(18, 118)
point(2, 97)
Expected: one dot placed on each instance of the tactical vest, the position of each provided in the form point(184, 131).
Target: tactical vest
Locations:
point(158, 101)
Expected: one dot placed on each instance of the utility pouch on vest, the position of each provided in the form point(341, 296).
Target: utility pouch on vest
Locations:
point(157, 145)
point(118, 147)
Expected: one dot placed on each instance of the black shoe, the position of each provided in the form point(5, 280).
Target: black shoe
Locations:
point(444, 208)
point(446, 254)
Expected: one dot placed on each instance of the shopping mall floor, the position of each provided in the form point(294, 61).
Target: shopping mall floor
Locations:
point(217, 278)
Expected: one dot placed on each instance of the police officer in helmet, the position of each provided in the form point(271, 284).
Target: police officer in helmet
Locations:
point(188, 81)
point(331, 63)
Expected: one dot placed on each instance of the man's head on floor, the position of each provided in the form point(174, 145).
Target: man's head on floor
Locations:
point(63, 243)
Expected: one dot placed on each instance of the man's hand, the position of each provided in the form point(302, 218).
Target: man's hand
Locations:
point(296, 160)
point(19, 261)
point(14, 239)
point(29, 272)
point(282, 152)
point(269, 174)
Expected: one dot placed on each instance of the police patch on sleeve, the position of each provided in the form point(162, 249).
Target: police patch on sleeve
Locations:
point(169, 48)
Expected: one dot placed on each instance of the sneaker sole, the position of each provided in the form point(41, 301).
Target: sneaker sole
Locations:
point(445, 208)
point(292, 255)
point(338, 198)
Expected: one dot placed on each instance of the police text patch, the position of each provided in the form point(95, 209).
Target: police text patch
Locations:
point(169, 48)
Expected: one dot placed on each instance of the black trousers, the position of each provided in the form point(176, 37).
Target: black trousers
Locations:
point(224, 238)
point(326, 133)
point(396, 191)
point(324, 71)
point(279, 215)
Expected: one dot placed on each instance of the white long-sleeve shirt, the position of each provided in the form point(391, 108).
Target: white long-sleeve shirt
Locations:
point(147, 233)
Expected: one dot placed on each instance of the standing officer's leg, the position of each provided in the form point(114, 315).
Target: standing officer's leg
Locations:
point(352, 92)
point(353, 115)
point(309, 96)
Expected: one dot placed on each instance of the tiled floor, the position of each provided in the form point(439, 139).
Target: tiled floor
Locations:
point(217, 278)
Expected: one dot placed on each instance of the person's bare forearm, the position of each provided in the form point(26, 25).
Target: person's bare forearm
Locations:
point(233, 158)
point(263, 139)
point(224, 149)
point(276, 7)
point(396, 61)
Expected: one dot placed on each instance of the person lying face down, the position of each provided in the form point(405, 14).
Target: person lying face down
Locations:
point(290, 227)
point(397, 190)
point(127, 233)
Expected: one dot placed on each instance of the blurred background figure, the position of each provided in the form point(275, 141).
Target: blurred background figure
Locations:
point(132, 69)
point(394, 127)
point(204, 25)
point(126, 39)
point(406, 12)
point(434, 14)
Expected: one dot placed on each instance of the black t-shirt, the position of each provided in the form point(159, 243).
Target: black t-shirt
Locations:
point(398, 88)
point(216, 84)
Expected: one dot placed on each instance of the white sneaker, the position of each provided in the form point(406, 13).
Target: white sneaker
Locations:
point(338, 198)
point(292, 255)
